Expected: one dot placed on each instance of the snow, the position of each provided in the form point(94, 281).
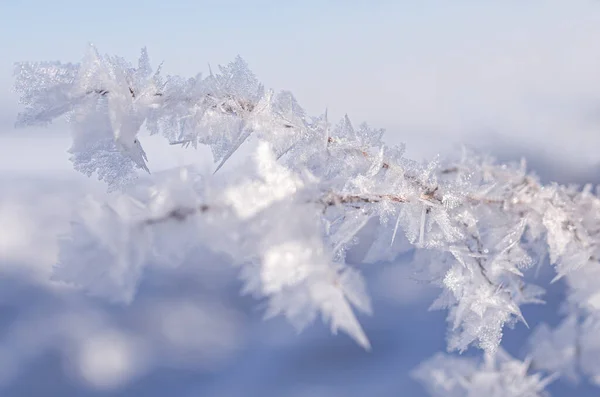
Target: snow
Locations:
point(189, 332)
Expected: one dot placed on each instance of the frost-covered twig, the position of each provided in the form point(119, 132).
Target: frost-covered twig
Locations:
point(288, 217)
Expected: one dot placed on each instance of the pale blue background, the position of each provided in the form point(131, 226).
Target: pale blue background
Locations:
point(519, 69)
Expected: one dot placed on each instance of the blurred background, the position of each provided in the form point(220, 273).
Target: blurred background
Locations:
point(510, 78)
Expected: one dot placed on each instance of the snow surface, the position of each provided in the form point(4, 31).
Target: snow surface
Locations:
point(189, 332)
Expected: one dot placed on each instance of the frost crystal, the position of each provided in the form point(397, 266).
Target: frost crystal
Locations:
point(288, 216)
point(499, 375)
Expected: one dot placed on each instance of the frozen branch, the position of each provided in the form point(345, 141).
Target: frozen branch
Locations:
point(287, 216)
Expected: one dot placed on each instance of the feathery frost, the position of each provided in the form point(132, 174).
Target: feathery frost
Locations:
point(287, 216)
point(498, 375)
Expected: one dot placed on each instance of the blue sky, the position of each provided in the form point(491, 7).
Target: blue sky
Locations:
point(433, 72)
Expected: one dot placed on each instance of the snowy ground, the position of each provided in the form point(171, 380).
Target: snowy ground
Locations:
point(189, 332)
